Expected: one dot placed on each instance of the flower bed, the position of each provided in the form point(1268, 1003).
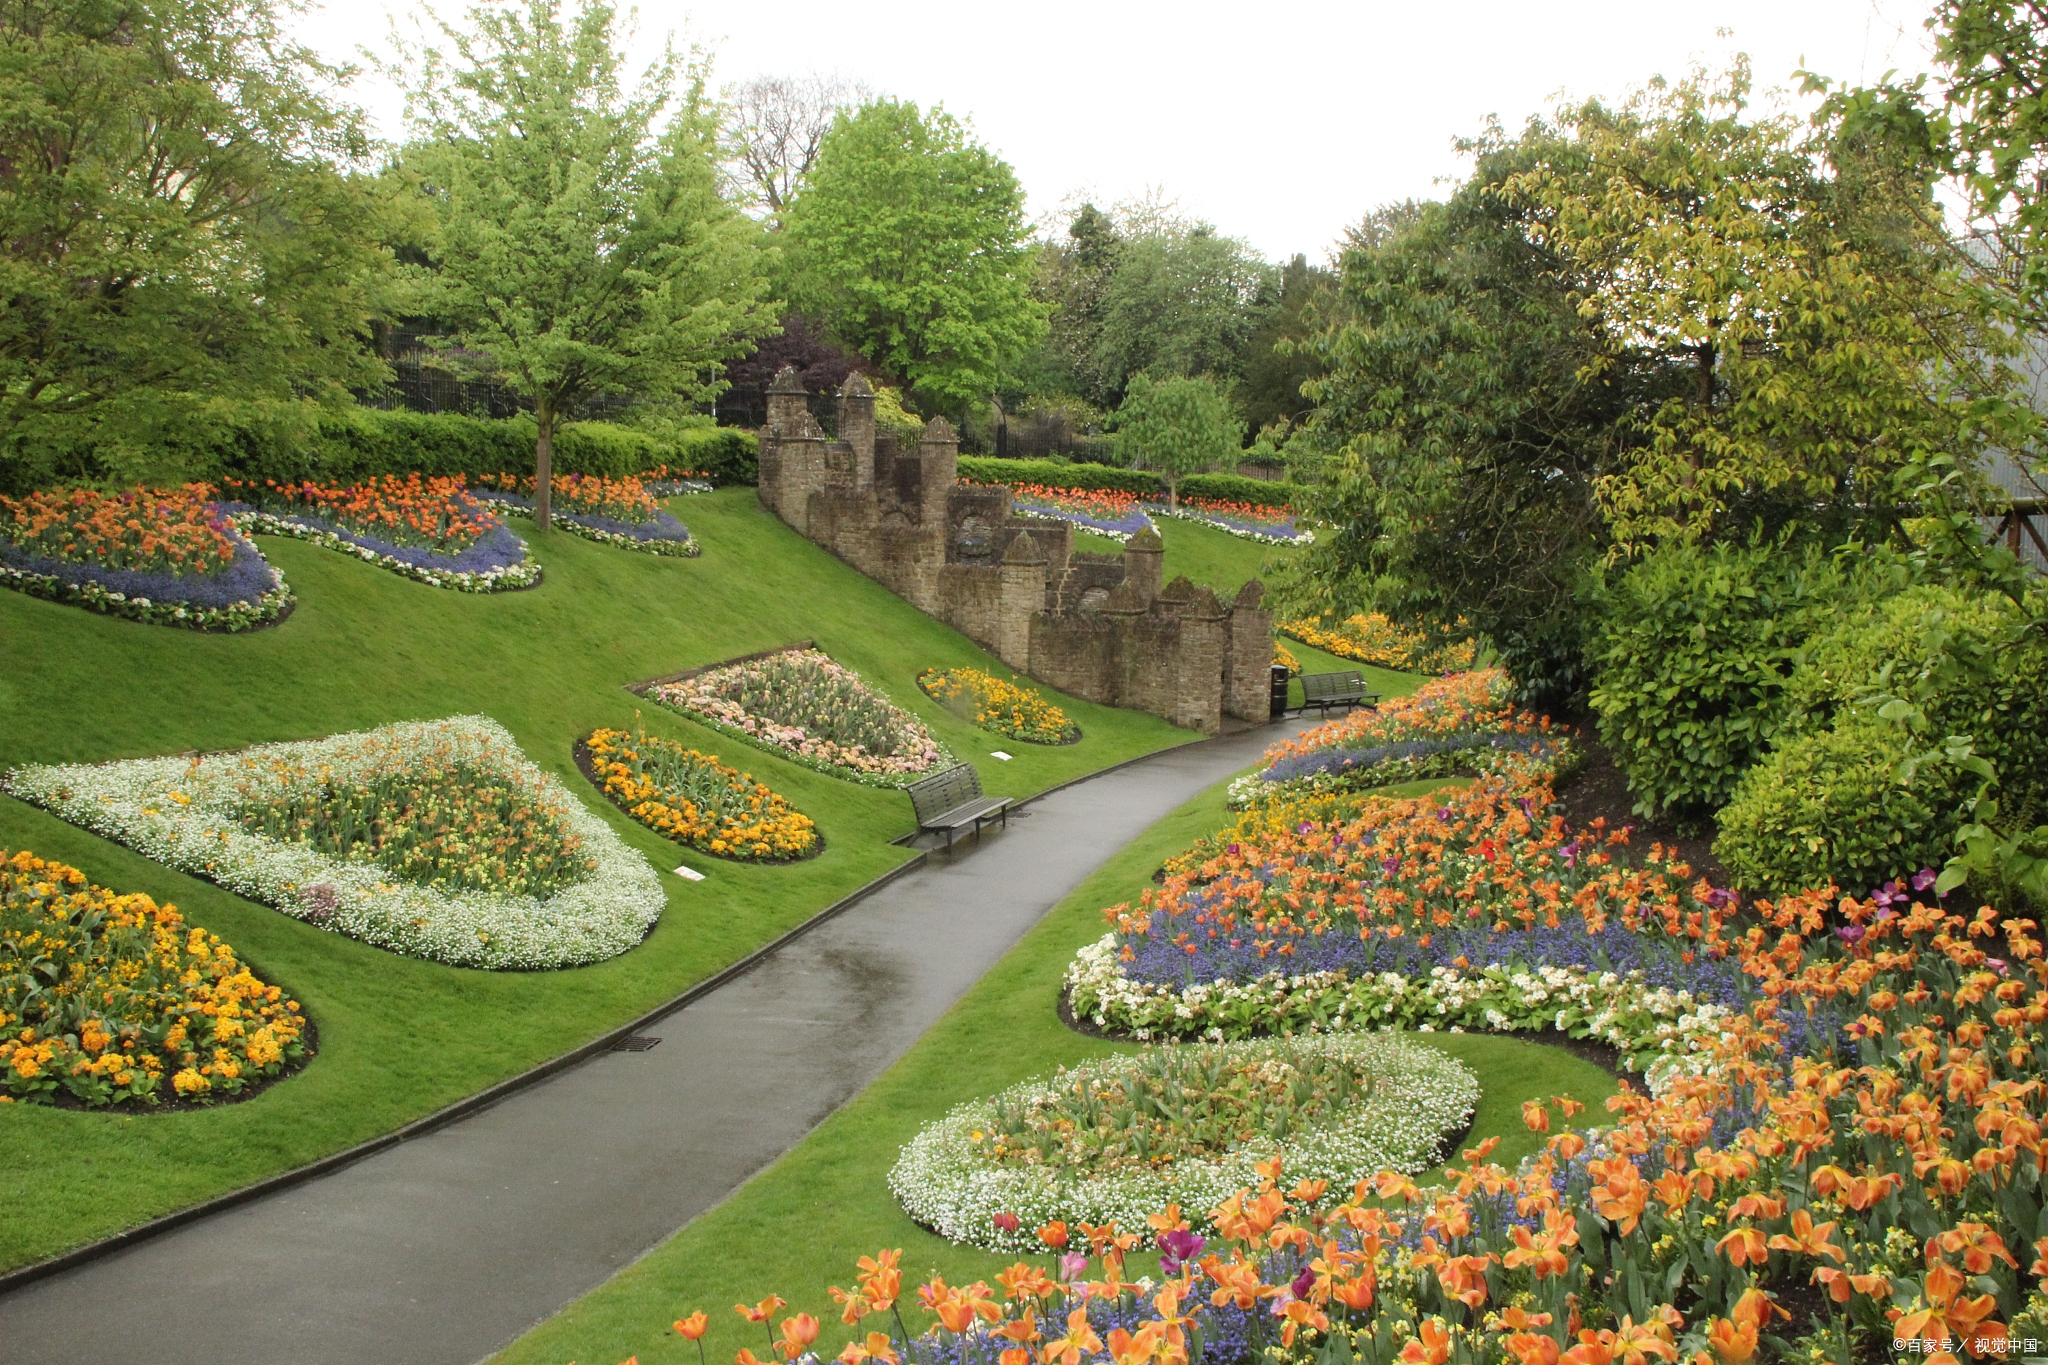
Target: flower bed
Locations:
point(164, 556)
point(1470, 909)
point(1246, 521)
point(694, 799)
point(664, 482)
point(619, 512)
point(1103, 511)
point(1003, 707)
point(104, 998)
point(803, 706)
point(429, 529)
point(1370, 638)
point(1462, 724)
point(436, 839)
point(1116, 1139)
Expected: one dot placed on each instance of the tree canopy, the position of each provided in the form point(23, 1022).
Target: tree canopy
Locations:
point(582, 243)
point(1178, 425)
point(907, 243)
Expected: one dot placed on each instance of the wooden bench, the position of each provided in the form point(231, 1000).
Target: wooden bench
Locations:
point(952, 800)
point(1325, 690)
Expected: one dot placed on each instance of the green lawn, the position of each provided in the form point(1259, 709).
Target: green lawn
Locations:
point(800, 1225)
point(400, 1038)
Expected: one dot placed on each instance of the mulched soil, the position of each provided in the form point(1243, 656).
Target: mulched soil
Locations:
point(1601, 790)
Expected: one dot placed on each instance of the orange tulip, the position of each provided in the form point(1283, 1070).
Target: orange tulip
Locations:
point(1743, 1246)
point(692, 1328)
point(876, 1347)
point(797, 1335)
point(1806, 1239)
point(761, 1311)
point(1535, 1117)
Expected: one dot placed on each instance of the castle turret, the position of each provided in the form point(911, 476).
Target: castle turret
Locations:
point(787, 400)
point(1248, 665)
point(857, 428)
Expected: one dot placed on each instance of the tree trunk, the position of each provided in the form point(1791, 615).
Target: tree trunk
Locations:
point(543, 463)
point(1173, 492)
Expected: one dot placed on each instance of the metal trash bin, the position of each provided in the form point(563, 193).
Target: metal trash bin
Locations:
point(1280, 676)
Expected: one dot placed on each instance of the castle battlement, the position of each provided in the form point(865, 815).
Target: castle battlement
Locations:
point(1097, 626)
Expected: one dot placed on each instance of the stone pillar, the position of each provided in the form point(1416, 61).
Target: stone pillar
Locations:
point(1198, 662)
point(857, 429)
point(1144, 560)
point(1248, 663)
point(803, 470)
point(1023, 597)
point(938, 452)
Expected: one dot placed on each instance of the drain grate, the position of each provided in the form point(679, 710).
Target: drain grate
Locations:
point(639, 1043)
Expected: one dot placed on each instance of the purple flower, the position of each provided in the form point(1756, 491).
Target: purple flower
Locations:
point(1232, 850)
point(1391, 864)
point(1720, 899)
point(1996, 964)
point(1923, 879)
point(1303, 1282)
point(1177, 1248)
point(1571, 853)
point(1304, 827)
point(1891, 893)
point(1443, 813)
point(1850, 933)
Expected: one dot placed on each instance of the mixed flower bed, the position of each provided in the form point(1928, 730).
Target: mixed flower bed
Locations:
point(430, 529)
point(1466, 909)
point(1245, 520)
point(436, 839)
point(166, 556)
point(619, 512)
point(106, 999)
point(664, 482)
point(812, 711)
point(1465, 724)
point(1370, 638)
point(1116, 1139)
point(694, 799)
point(1103, 511)
point(1004, 707)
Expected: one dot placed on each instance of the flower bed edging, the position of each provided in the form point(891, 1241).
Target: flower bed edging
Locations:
point(945, 1186)
point(586, 763)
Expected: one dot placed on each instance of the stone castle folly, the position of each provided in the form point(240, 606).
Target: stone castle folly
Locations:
point(1102, 627)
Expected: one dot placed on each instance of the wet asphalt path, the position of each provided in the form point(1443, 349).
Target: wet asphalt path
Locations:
point(441, 1250)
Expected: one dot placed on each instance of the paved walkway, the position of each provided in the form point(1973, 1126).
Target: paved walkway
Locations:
point(441, 1250)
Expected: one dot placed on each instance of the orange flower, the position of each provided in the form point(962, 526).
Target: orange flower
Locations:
point(1806, 1239)
point(1431, 1344)
point(692, 1328)
point(1535, 1117)
point(1743, 1246)
point(876, 1347)
point(1079, 1341)
point(1054, 1235)
point(797, 1335)
point(762, 1311)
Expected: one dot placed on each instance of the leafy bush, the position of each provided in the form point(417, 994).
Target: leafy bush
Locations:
point(1691, 656)
point(1828, 806)
point(1826, 803)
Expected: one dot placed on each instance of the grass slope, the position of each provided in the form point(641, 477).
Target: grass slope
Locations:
point(800, 1225)
point(400, 1038)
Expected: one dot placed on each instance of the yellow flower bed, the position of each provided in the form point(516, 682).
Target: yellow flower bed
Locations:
point(1003, 707)
point(1371, 638)
point(1283, 657)
point(694, 799)
point(104, 997)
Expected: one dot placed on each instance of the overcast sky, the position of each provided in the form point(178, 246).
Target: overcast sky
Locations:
point(1281, 123)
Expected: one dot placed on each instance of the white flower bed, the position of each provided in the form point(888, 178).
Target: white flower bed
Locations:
point(178, 812)
point(1419, 1096)
point(510, 577)
point(1661, 1033)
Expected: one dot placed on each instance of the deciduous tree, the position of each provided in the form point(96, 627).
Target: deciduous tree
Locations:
point(583, 245)
point(1178, 426)
point(908, 244)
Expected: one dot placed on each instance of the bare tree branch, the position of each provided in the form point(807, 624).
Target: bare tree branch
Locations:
point(774, 125)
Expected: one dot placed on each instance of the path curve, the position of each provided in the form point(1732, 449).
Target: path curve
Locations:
point(442, 1249)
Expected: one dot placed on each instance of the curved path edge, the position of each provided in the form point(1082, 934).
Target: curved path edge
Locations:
point(22, 1276)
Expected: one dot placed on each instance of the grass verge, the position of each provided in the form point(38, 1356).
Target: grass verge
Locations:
point(400, 1038)
point(799, 1226)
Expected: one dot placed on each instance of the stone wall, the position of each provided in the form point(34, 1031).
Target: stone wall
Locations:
point(1096, 626)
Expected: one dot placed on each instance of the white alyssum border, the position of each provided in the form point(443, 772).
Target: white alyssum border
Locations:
point(1419, 1095)
point(178, 812)
point(1662, 1033)
point(511, 577)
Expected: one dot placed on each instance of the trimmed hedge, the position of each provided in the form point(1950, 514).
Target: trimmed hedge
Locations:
point(288, 441)
point(1144, 483)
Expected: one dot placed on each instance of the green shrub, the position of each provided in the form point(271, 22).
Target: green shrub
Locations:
point(1828, 806)
point(1691, 654)
point(1055, 474)
point(1827, 793)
